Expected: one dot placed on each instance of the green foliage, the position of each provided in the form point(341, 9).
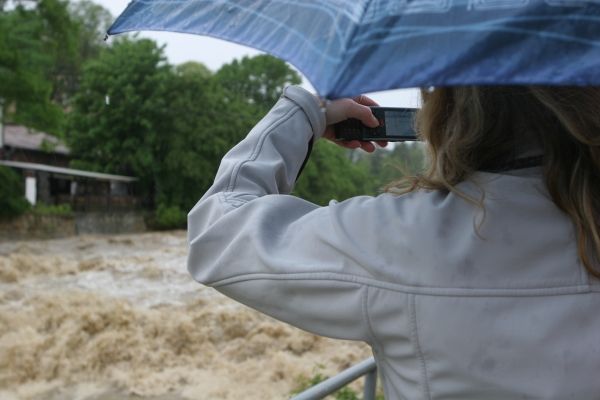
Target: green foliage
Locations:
point(305, 382)
point(199, 137)
point(88, 25)
point(92, 21)
point(258, 81)
point(387, 166)
point(330, 174)
point(345, 393)
point(169, 217)
point(193, 69)
point(136, 115)
point(12, 199)
point(34, 40)
point(120, 116)
point(208, 115)
point(48, 146)
point(335, 173)
point(52, 209)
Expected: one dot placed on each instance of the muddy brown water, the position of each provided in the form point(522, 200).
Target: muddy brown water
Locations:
point(118, 317)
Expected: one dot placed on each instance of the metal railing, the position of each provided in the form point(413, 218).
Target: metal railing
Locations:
point(329, 386)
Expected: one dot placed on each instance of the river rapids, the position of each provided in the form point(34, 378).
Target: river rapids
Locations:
point(118, 317)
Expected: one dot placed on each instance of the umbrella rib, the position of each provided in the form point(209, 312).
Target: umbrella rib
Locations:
point(492, 22)
point(321, 7)
point(429, 31)
point(335, 78)
point(333, 59)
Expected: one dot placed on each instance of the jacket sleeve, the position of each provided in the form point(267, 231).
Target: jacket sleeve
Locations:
point(274, 252)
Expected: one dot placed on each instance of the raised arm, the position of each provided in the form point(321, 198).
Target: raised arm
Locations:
point(277, 253)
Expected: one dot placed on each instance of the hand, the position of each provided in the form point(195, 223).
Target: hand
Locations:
point(342, 109)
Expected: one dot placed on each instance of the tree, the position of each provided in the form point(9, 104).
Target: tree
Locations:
point(93, 21)
point(200, 134)
point(121, 113)
point(12, 200)
point(259, 80)
point(193, 70)
point(207, 119)
point(210, 114)
point(387, 166)
point(33, 40)
point(90, 23)
point(170, 127)
point(329, 174)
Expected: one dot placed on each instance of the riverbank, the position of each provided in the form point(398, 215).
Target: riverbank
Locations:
point(34, 225)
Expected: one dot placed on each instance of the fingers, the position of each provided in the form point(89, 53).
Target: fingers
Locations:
point(356, 144)
point(358, 108)
point(339, 110)
point(369, 147)
point(363, 113)
point(364, 100)
point(352, 144)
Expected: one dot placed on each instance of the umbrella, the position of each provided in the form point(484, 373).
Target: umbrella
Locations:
point(349, 47)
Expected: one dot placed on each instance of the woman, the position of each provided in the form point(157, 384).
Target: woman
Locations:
point(478, 281)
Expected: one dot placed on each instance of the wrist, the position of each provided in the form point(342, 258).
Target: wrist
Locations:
point(311, 105)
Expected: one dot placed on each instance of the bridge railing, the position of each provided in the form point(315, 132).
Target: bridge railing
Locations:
point(331, 385)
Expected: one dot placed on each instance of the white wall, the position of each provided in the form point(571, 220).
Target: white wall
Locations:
point(31, 189)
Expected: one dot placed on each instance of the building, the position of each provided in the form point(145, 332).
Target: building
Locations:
point(44, 160)
point(18, 143)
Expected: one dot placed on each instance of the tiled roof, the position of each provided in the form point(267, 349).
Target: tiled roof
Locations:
point(22, 137)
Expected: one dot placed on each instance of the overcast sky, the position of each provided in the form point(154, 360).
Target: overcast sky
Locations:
point(214, 53)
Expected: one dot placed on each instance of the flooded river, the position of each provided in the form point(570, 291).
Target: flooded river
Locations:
point(118, 317)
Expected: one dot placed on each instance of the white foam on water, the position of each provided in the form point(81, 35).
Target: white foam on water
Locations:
point(105, 317)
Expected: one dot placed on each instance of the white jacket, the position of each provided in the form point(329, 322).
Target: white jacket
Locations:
point(509, 313)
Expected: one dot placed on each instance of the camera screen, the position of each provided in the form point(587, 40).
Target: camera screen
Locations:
point(398, 123)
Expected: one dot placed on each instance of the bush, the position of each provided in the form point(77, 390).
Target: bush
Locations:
point(169, 217)
point(12, 199)
point(49, 209)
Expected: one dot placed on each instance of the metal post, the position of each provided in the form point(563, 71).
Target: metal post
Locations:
point(370, 385)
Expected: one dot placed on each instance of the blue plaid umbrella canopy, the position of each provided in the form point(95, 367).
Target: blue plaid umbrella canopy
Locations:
point(349, 47)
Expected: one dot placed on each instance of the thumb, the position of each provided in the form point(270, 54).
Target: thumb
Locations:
point(364, 114)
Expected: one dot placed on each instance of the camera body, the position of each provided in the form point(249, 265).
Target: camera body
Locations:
point(395, 125)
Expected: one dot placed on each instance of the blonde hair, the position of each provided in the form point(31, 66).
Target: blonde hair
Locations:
point(474, 128)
